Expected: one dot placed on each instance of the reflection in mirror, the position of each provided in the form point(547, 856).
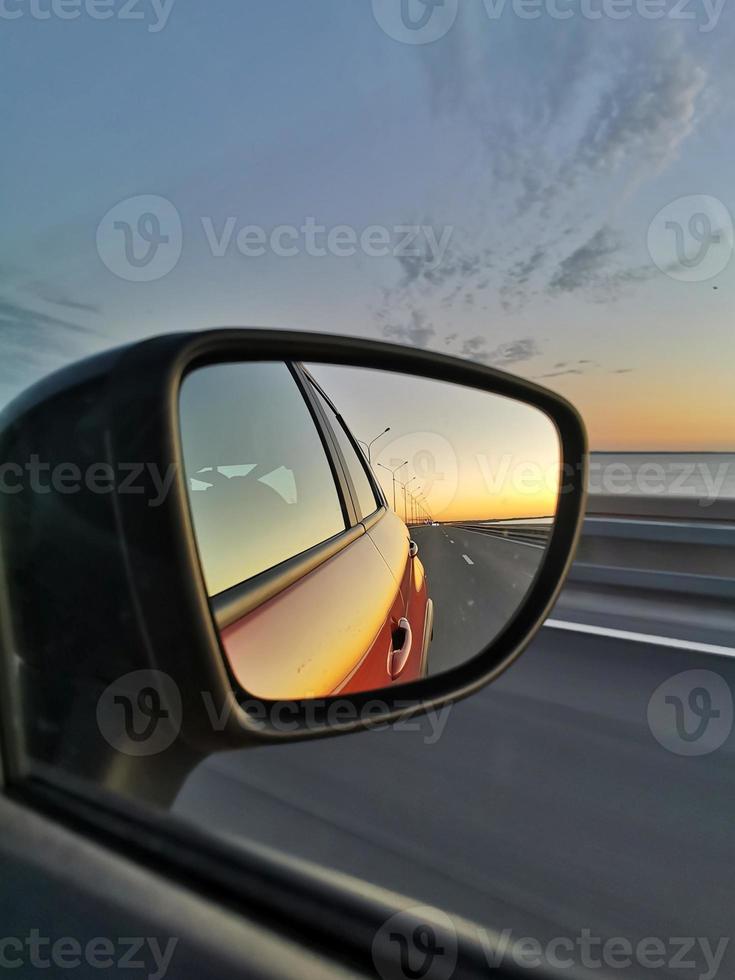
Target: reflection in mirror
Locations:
point(359, 528)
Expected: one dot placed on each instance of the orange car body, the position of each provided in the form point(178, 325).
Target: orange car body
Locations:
point(351, 614)
point(339, 628)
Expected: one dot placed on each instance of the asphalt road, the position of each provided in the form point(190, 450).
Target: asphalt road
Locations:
point(477, 582)
point(543, 805)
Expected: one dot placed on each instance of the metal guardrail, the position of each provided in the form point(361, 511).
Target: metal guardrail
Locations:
point(678, 508)
point(678, 545)
point(530, 535)
point(661, 544)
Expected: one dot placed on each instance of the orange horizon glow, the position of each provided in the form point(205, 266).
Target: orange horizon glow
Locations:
point(503, 509)
point(474, 456)
point(686, 408)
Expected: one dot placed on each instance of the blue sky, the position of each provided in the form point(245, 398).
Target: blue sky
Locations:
point(544, 149)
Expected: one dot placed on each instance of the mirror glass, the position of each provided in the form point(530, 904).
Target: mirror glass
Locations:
point(360, 528)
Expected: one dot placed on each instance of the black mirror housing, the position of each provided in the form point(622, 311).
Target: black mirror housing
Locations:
point(100, 580)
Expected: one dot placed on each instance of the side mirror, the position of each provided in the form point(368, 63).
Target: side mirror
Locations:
point(205, 544)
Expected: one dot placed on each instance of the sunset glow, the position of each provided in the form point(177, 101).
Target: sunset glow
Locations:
point(474, 456)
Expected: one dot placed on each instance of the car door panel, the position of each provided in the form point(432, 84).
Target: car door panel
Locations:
point(391, 538)
point(324, 628)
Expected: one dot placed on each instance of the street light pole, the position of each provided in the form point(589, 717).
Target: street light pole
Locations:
point(393, 475)
point(368, 445)
point(405, 501)
point(408, 484)
point(417, 501)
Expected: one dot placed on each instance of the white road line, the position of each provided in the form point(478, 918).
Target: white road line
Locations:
point(499, 537)
point(656, 523)
point(658, 641)
point(451, 541)
point(468, 559)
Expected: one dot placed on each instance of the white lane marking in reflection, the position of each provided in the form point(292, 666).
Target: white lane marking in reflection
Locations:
point(654, 640)
point(509, 540)
point(468, 559)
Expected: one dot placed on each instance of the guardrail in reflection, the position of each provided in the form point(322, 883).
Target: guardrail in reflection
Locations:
point(676, 545)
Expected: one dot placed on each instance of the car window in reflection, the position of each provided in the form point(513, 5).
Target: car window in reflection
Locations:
point(262, 489)
point(366, 500)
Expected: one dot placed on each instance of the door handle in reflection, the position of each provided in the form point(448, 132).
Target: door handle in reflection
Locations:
point(397, 659)
point(413, 549)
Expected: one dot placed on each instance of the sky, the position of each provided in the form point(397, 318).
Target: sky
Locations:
point(551, 196)
point(463, 454)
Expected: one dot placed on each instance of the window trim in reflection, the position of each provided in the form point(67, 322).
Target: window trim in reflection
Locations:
point(326, 437)
point(375, 486)
point(243, 597)
point(237, 602)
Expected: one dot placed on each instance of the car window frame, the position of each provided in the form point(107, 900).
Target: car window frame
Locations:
point(331, 914)
point(243, 597)
point(375, 486)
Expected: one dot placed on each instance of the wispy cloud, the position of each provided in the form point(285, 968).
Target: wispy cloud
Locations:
point(578, 368)
point(586, 264)
point(560, 374)
point(414, 330)
point(646, 113)
point(591, 267)
point(602, 111)
point(477, 348)
point(602, 105)
point(33, 341)
point(58, 297)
